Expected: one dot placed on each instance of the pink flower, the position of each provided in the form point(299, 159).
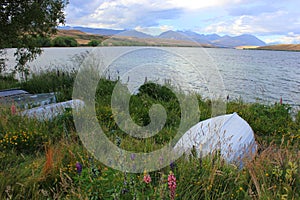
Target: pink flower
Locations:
point(147, 178)
point(172, 185)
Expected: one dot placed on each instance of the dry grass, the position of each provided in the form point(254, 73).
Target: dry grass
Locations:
point(281, 47)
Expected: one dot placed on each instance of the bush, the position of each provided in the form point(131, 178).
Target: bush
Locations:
point(22, 141)
point(64, 41)
point(94, 43)
point(61, 83)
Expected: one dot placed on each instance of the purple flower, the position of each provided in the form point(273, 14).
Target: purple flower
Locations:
point(78, 167)
point(132, 156)
point(172, 166)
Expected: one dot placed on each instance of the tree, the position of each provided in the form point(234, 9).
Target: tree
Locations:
point(64, 41)
point(23, 23)
point(94, 43)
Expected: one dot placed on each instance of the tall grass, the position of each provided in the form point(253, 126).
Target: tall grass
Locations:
point(38, 159)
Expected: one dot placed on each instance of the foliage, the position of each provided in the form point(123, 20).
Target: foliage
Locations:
point(22, 141)
point(94, 43)
point(24, 22)
point(59, 82)
point(64, 41)
point(123, 42)
point(8, 82)
point(44, 162)
point(44, 42)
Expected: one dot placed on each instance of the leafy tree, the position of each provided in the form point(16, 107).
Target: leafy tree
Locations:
point(44, 41)
point(94, 43)
point(23, 23)
point(64, 41)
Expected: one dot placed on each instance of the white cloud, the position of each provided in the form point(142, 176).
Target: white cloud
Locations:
point(134, 13)
point(232, 17)
point(199, 4)
point(279, 22)
point(127, 14)
point(291, 38)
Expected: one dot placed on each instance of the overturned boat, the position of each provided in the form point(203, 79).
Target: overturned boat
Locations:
point(41, 106)
point(230, 134)
point(50, 111)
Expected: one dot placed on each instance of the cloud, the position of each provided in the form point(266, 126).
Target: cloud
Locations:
point(276, 23)
point(251, 10)
point(198, 4)
point(233, 17)
point(290, 38)
point(81, 8)
point(126, 14)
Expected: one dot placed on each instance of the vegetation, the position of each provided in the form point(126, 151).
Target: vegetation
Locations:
point(64, 41)
point(23, 23)
point(46, 160)
point(281, 47)
point(94, 43)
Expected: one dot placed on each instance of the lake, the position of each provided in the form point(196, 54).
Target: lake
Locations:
point(253, 75)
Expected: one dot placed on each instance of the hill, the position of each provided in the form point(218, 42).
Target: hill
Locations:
point(100, 31)
point(134, 33)
point(242, 40)
point(281, 47)
point(214, 39)
point(127, 38)
point(81, 37)
point(190, 36)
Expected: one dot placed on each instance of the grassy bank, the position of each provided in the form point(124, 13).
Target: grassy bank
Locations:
point(46, 160)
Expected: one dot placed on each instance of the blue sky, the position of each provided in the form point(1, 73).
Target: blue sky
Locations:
point(270, 20)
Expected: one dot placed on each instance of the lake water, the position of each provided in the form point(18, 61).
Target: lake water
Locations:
point(255, 76)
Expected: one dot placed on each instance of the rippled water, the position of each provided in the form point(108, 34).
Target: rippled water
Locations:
point(263, 76)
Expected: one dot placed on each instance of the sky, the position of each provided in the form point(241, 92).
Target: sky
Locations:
point(273, 21)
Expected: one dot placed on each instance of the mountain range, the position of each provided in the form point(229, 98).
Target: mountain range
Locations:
point(209, 39)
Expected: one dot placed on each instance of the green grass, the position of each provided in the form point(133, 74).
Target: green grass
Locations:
point(38, 159)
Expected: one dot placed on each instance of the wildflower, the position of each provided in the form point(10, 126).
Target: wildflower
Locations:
point(172, 185)
point(132, 156)
point(78, 167)
point(13, 109)
point(147, 178)
point(172, 165)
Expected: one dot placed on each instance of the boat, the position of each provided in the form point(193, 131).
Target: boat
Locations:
point(229, 134)
point(40, 106)
point(50, 111)
point(24, 100)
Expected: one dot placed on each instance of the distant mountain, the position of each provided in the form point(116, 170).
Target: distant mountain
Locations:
point(201, 38)
point(100, 31)
point(173, 35)
point(193, 37)
point(242, 40)
point(214, 39)
point(134, 33)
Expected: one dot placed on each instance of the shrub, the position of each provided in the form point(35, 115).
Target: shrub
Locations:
point(22, 141)
point(94, 43)
point(64, 41)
